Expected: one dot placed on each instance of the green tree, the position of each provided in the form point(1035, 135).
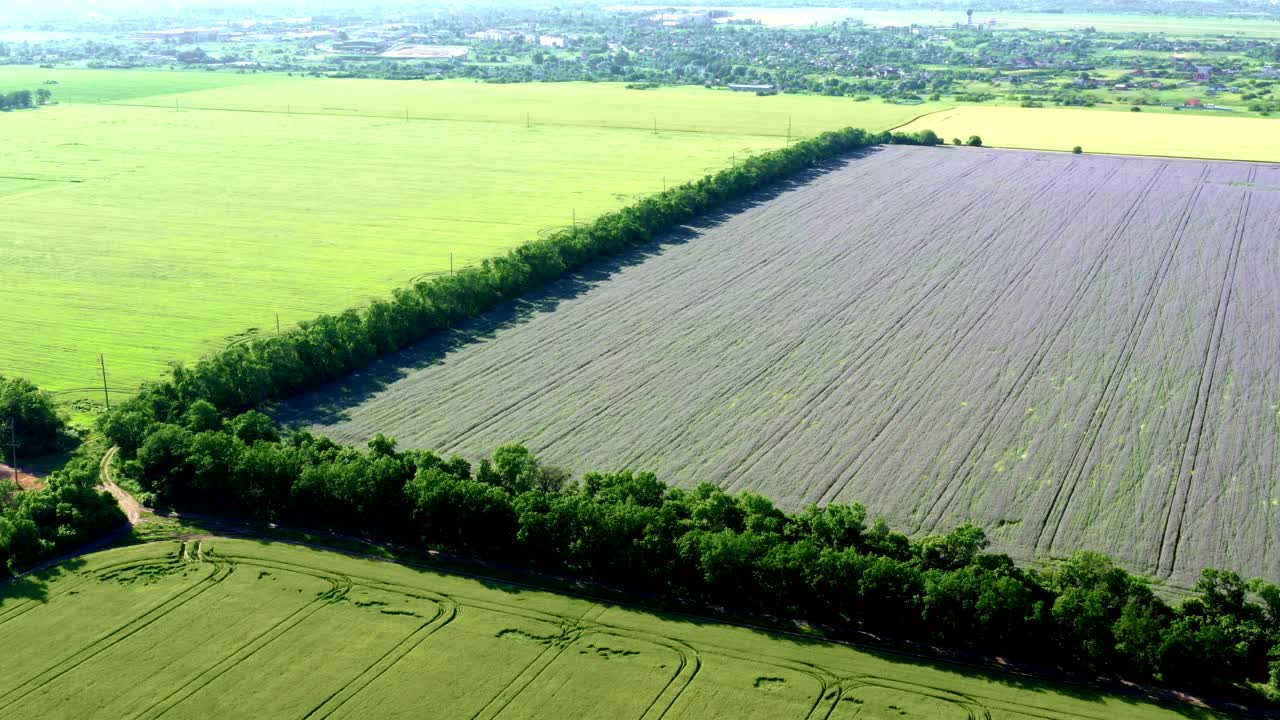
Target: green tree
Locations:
point(30, 416)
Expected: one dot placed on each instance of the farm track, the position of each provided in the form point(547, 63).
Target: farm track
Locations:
point(876, 345)
point(834, 486)
point(1177, 507)
point(690, 306)
point(830, 685)
point(1097, 418)
point(218, 572)
point(1060, 324)
point(944, 335)
point(906, 408)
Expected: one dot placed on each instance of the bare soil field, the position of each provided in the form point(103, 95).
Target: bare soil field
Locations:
point(1072, 351)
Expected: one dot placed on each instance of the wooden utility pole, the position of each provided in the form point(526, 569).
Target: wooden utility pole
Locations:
point(655, 126)
point(106, 396)
point(13, 443)
point(664, 183)
point(575, 218)
point(450, 264)
point(788, 130)
point(277, 324)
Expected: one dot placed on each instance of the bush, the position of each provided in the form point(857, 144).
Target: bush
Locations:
point(974, 141)
point(957, 141)
point(1077, 150)
point(1135, 108)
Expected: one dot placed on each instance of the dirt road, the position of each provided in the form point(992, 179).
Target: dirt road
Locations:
point(132, 508)
point(26, 480)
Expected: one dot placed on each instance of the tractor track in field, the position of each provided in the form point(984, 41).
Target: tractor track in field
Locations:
point(1097, 418)
point(218, 573)
point(1204, 393)
point(840, 477)
point(938, 507)
point(389, 659)
point(722, 284)
point(339, 587)
point(766, 444)
point(908, 407)
point(777, 356)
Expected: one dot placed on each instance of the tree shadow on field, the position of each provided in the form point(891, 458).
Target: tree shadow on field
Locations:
point(35, 585)
point(331, 403)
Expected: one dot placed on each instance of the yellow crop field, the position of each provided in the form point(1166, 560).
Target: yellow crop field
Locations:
point(1183, 134)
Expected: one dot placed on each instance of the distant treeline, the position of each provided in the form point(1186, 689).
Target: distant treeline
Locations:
point(194, 441)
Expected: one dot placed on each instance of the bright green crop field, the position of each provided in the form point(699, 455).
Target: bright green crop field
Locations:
point(147, 231)
point(237, 628)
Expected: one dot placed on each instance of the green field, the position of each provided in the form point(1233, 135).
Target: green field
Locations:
point(157, 233)
point(237, 628)
point(81, 85)
point(1191, 134)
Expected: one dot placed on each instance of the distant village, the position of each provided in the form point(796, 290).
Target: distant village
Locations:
point(972, 59)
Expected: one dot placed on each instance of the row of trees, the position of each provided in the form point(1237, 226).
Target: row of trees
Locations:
point(24, 99)
point(332, 346)
point(826, 565)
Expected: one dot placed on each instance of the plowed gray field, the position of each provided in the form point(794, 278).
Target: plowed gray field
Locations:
point(1073, 351)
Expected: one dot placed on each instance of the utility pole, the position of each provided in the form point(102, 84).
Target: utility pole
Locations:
point(575, 218)
point(105, 395)
point(734, 159)
point(450, 264)
point(528, 121)
point(277, 324)
point(13, 442)
point(788, 130)
point(655, 126)
point(664, 183)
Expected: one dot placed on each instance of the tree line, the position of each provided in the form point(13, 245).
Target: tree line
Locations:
point(332, 346)
point(24, 99)
point(826, 565)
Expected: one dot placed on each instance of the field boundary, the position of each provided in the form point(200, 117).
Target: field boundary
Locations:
point(375, 115)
